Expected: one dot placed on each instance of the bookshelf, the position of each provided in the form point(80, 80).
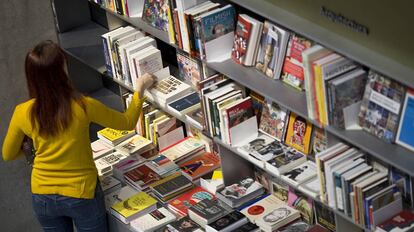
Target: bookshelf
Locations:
point(84, 43)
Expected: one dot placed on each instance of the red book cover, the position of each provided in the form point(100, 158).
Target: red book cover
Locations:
point(182, 203)
point(142, 175)
point(200, 165)
point(403, 221)
point(241, 39)
point(317, 228)
point(240, 112)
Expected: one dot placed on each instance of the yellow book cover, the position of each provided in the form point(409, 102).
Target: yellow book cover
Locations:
point(113, 135)
point(299, 133)
point(217, 175)
point(134, 204)
point(110, 4)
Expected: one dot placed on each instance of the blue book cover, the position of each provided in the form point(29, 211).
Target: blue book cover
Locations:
point(107, 56)
point(185, 102)
point(218, 23)
point(406, 130)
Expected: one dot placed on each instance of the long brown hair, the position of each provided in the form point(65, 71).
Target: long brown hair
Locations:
point(50, 86)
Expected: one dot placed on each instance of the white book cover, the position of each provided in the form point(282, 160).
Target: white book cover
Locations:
point(182, 148)
point(100, 148)
point(105, 163)
point(135, 144)
point(277, 218)
point(109, 183)
point(301, 173)
point(130, 50)
point(112, 39)
point(168, 89)
point(262, 207)
point(153, 221)
point(119, 51)
point(263, 147)
point(135, 8)
point(146, 61)
point(312, 187)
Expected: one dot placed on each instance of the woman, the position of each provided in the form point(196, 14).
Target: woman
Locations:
point(57, 117)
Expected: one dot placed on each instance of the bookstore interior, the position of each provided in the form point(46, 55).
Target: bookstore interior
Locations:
point(268, 115)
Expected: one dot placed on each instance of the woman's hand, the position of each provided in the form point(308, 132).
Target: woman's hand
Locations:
point(144, 82)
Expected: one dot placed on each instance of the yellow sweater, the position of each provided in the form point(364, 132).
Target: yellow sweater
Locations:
point(64, 163)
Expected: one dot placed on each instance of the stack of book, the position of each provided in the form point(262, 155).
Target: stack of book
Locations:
point(240, 193)
point(181, 204)
point(100, 148)
point(114, 137)
point(200, 165)
point(171, 186)
point(120, 168)
point(277, 218)
point(262, 207)
point(206, 211)
point(183, 149)
point(141, 177)
point(153, 220)
point(105, 163)
point(227, 223)
point(135, 145)
point(118, 195)
point(162, 165)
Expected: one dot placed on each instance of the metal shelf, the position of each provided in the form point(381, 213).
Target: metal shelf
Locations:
point(85, 44)
point(327, 38)
point(337, 212)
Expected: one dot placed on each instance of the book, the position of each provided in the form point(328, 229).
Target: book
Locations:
point(114, 137)
point(120, 168)
point(297, 226)
point(185, 224)
point(182, 149)
point(402, 221)
point(135, 144)
point(156, 13)
point(380, 107)
point(141, 176)
point(181, 204)
point(146, 60)
point(248, 227)
point(280, 189)
point(273, 120)
point(167, 90)
point(153, 220)
point(345, 94)
point(263, 147)
point(162, 165)
point(292, 72)
point(311, 187)
point(303, 204)
point(405, 128)
point(109, 184)
point(324, 216)
point(105, 163)
point(227, 223)
point(301, 173)
point(298, 134)
point(238, 122)
point(284, 160)
point(189, 68)
point(119, 195)
point(262, 207)
point(277, 218)
point(240, 192)
point(185, 104)
point(206, 211)
point(200, 165)
point(272, 50)
point(246, 40)
point(100, 148)
point(196, 117)
point(134, 207)
point(171, 186)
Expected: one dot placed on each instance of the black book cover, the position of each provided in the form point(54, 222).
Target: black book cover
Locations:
point(172, 185)
point(208, 209)
point(249, 227)
point(227, 220)
point(185, 224)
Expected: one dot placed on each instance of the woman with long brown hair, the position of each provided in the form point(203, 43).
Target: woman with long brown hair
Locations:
point(57, 117)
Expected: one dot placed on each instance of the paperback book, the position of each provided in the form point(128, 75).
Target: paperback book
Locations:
point(298, 134)
point(181, 204)
point(114, 137)
point(206, 211)
point(273, 120)
point(153, 220)
point(303, 204)
point(200, 165)
point(135, 144)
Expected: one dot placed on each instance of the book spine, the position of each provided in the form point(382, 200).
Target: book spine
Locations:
point(107, 56)
point(171, 32)
point(177, 29)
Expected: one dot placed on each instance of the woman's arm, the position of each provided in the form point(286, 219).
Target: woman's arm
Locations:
point(14, 138)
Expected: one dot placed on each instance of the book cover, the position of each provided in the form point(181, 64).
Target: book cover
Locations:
point(292, 72)
point(219, 23)
point(262, 207)
point(105, 163)
point(301, 173)
point(248, 227)
point(142, 176)
point(190, 69)
point(299, 133)
point(277, 218)
point(241, 39)
point(324, 216)
point(109, 183)
point(263, 147)
point(182, 203)
point(153, 220)
point(171, 184)
point(380, 107)
point(286, 158)
point(114, 136)
point(135, 144)
point(169, 89)
point(303, 204)
point(186, 103)
point(403, 221)
point(156, 13)
point(226, 220)
point(405, 133)
point(273, 120)
point(280, 189)
point(134, 204)
point(185, 224)
point(119, 195)
point(241, 189)
point(344, 94)
point(272, 50)
point(200, 165)
point(208, 209)
point(162, 165)
point(100, 148)
point(182, 148)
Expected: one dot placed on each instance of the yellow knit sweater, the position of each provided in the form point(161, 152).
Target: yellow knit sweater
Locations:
point(64, 163)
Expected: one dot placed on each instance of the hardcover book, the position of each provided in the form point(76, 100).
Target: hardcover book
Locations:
point(299, 133)
point(292, 72)
point(273, 120)
point(200, 165)
point(182, 203)
point(380, 107)
point(272, 50)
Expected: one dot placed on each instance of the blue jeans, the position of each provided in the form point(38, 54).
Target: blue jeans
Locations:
point(59, 213)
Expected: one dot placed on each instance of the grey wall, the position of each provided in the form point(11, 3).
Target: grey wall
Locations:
point(23, 23)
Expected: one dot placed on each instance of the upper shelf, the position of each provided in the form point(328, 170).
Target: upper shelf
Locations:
point(85, 44)
point(336, 42)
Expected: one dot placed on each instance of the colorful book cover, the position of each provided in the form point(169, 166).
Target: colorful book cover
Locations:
point(299, 133)
point(406, 128)
point(240, 189)
point(257, 103)
point(380, 107)
point(273, 120)
point(272, 50)
point(142, 175)
point(280, 189)
point(319, 140)
point(303, 204)
point(239, 113)
point(200, 165)
point(292, 72)
point(241, 40)
point(134, 204)
point(189, 69)
point(113, 135)
point(403, 221)
point(182, 203)
point(156, 13)
point(217, 24)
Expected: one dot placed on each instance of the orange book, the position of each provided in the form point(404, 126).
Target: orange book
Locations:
point(299, 133)
point(200, 165)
